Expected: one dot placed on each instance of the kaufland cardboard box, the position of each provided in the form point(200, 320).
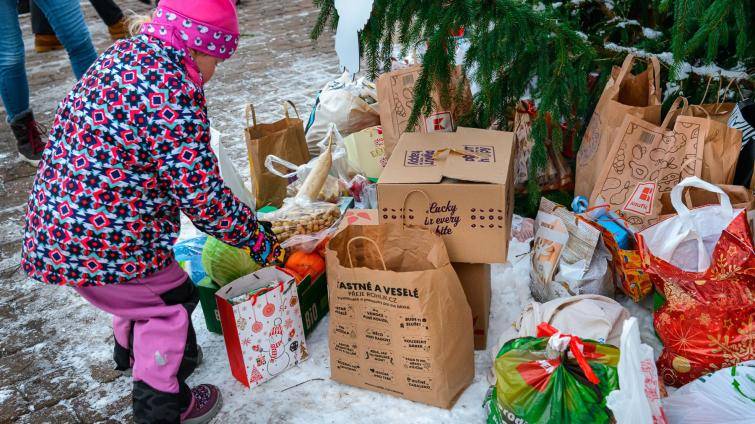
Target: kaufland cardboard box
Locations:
point(460, 184)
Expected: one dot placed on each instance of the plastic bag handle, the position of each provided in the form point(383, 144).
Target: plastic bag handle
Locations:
point(285, 108)
point(678, 190)
point(403, 205)
point(250, 110)
point(348, 250)
point(272, 159)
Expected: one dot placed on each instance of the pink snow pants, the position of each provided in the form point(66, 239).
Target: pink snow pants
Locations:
point(152, 320)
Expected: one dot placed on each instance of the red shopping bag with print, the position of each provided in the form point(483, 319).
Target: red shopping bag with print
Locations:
point(702, 264)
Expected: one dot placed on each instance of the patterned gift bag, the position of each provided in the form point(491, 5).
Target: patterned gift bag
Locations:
point(262, 325)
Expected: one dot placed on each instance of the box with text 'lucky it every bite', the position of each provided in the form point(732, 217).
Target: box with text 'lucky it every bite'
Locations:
point(459, 184)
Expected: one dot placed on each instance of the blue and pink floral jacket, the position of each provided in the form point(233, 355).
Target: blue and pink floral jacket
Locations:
point(130, 149)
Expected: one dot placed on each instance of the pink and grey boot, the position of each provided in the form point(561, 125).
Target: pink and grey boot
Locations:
point(205, 404)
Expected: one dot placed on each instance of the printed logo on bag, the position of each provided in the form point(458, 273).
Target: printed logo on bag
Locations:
point(382, 375)
point(345, 331)
point(349, 349)
point(439, 122)
point(416, 342)
point(413, 322)
point(376, 335)
point(481, 154)
point(419, 158)
point(343, 365)
point(376, 315)
point(641, 201)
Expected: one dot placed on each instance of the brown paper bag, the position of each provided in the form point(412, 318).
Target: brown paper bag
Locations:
point(396, 98)
point(722, 145)
point(399, 320)
point(647, 160)
point(556, 175)
point(624, 94)
point(283, 138)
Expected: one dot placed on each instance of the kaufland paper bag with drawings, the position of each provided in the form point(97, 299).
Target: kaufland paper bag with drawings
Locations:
point(458, 184)
point(399, 321)
point(647, 160)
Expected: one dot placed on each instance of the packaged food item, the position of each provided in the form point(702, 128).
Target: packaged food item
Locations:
point(301, 217)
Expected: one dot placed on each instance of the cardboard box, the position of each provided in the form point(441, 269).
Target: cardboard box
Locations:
point(207, 289)
point(459, 184)
point(475, 280)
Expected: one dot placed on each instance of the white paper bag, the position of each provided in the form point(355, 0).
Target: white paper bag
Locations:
point(228, 172)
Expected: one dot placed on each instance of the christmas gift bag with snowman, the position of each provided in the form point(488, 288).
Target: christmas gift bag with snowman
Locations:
point(262, 325)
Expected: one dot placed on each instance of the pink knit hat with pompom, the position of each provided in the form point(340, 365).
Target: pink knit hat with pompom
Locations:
point(207, 26)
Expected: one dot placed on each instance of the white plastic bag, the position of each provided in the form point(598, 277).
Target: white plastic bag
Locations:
point(725, 396)
point(638, 401)
point(342, 167)
point(688, 239)
point(351, 106)
point(228, 172)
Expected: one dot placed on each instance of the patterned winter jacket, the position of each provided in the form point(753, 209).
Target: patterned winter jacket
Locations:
point(129, 149)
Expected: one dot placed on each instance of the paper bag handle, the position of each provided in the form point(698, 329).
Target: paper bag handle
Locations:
point(270, 160)
point(285, 109)
point(403, 205)
point(678, 190)
point(348, 250)
point(672, 111)
point(626, 67)
point(250, 110)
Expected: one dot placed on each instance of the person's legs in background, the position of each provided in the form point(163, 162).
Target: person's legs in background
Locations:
point(45, 39)
point(14, 87)
point(67, 21)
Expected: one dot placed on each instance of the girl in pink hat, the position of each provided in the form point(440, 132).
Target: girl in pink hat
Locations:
point(129, 150)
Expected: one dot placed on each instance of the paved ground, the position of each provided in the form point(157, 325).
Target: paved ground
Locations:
point(46, 373)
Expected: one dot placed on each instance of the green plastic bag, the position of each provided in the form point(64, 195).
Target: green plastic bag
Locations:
point(539, 380)
point(224, 263)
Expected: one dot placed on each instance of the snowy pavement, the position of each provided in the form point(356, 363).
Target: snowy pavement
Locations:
point(55, 349)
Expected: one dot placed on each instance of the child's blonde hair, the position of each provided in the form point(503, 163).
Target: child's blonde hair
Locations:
point(136, 22)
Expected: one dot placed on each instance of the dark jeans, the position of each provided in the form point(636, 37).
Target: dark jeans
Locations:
point(109, 12)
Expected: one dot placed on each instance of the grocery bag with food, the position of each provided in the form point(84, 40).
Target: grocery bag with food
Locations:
point(701, 263)
point(552, 378)
point(224, 263)
point(283, 138)
point(366, 150)
point(351, 106)
point(399, 323)
point(647, 160)
point(262, 325)
point(624, 94)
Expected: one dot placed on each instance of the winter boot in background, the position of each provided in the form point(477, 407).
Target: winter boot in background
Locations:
point(46, 43)
point(28, 137)
point(119, 29)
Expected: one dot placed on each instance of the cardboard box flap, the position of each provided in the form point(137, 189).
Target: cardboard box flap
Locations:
point(469, 154)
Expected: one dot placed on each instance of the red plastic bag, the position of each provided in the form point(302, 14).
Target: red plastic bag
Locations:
point(707, 319)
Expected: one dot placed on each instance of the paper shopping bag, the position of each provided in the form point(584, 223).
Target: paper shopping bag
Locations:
point(624, 94)
point(399, 320)
point(366, 150)
point(556, 174)
point(722, 143)
point(262, 325)
point(702, 264)
point(283, 138)
point(647, 160)
point(396, 97)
